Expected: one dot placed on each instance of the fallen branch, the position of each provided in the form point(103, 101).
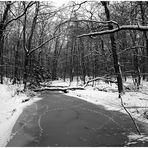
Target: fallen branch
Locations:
point(99, 78)
point(103, 89)
point(122, 104)
point(65, 90)
point(50, 89)
point(44, 85)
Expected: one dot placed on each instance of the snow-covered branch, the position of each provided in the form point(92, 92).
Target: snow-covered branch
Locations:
point(94, 21)
point(120, 28)
point(90, 21)
point(99, 78)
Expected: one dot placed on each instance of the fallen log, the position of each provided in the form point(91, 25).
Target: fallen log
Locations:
point(65, 90)
point(49, 89)
point(100, 78)
point(76, 88)
point(44, 85)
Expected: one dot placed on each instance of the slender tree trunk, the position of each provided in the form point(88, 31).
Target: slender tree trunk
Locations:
point(16, 62)
point(137, 69)
point(65, 67)
point(2, 29)
point(54, 61)
point(25, 52)
point(54, 67)
point(114, 51)
point(71, 65)
point(137, 78)
point(82, 61)
point(28, 47)
point(25, 79)
point(1, 59)
point(146, 67)
point(145, 60)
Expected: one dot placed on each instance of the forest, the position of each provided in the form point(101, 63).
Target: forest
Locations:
point(82, 64)
point(40, 42)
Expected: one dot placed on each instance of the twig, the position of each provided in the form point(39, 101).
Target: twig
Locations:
point(137, 128)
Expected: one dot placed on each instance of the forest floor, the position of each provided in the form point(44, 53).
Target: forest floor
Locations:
point(13, 101)
point(12, 104)
point(136, 102)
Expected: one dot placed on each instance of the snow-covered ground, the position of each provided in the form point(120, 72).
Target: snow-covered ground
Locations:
point(12, 104)
point(107, 95)
point(135, 101)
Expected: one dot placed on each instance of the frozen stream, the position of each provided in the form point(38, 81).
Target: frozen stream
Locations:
point(59, 120)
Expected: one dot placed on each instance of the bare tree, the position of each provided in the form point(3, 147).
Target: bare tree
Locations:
point(114, 51)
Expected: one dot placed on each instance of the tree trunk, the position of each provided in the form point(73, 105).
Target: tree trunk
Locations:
point(71, 64)
point(54, 67)
point(137, 77)
point(25, 51)
point(145, 60)
point(54, 61)
point(29, 42)
point(114, 51)
point(2, 28)
point(25, 77)
point(1, 59)
point(82, 61)
point(65, 67)
point(16, 63)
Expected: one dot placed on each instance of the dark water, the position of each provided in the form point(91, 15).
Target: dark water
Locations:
point(60, 120)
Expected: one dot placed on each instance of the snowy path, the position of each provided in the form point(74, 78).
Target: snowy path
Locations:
point(60, 120)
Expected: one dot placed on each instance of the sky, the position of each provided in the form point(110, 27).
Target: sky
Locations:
point(60, 2)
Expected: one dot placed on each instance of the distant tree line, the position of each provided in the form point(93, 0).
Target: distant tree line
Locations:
point(40, 42)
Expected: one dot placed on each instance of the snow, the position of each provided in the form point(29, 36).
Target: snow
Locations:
point(11, 107)
point(134, 138)
point(101, 93)
point(135, 101)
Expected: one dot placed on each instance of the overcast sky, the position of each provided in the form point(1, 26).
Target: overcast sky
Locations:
point(60, 2)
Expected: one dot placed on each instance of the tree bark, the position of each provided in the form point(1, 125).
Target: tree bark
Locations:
point(29, 42)
point(54, 61)
point(145, 60)
point(2, 28)
point(16, 62)
point(82, 61)
point(114, 51)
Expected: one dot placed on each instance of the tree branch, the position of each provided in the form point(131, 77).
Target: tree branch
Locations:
point(134, 47)
point(29, 5)
point(99, 78)
point(79, 5)
point(31, 51)
point(122, 104)
point(124, 27)
point(94, 21)
point(91, 21)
